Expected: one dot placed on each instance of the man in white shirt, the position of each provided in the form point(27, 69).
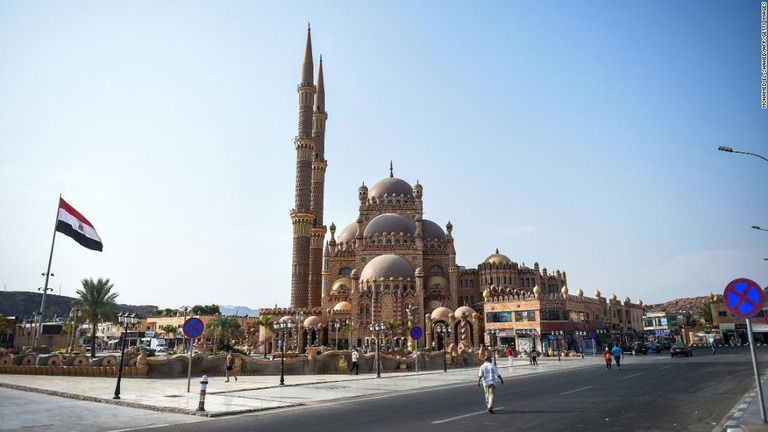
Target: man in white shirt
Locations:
point(487, 375)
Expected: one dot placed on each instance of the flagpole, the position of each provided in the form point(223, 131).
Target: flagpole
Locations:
point(47, 276)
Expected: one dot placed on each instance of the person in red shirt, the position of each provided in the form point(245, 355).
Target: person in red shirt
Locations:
point(608, 359)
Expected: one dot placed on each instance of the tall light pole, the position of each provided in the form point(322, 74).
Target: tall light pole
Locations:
point(282, 327)
point(730, 150)
point(444, 331)
point(557, 334)
point(492, 333)
point(125, 319)
point(376, 329)
point(581, 334)
point(184, 309)
point(42, 310)
point(336, 325)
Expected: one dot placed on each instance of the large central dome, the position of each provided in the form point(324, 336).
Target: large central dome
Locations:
point(388, 223)
point(391, 186)
point(387, 266)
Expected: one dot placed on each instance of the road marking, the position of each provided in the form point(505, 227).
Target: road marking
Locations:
point(630, 376)
point(577, 390)
point(142, 427)
point(462, 416)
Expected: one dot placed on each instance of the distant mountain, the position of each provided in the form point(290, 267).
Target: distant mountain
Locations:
point(238, 310)
point(23, 305)
point(682, 304)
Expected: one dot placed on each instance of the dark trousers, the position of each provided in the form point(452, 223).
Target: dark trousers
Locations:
point(355, 367)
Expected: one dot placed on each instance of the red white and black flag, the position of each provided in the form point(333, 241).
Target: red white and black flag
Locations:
point(73, 224)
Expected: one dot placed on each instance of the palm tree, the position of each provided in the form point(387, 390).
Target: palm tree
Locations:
point(97, 303)
point(169, 329)
point(224, 331)
point(267, 322)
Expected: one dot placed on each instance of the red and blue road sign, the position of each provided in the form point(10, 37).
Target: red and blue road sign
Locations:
point(744, 298)
point(193, 327)
point(416, 332)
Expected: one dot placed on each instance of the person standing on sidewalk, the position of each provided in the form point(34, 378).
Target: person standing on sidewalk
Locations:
point(355, 367)
point(534, 357)
point(510, 354)
point(230, 363)
point(617, 356)
point(487, 375)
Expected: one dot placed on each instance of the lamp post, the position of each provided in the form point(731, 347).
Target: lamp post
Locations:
point(125, 319)
point(184, 309)
point(376, 329)
point(492, 333)
point(444, 331)
point(282, 327)
point(73, 317)
point(42, 314)
point(581, 334)
point(557, 334)
point(350, 322)
point(336, 325)
point(730, 150)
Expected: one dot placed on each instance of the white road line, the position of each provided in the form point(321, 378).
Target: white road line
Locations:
point(462, 416)
point(577, 390)
point(141, 428)
point(631, 376)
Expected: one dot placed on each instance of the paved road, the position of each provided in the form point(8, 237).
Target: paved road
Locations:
point(433, 398)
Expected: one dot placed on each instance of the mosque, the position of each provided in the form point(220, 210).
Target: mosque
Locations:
point(391, 267)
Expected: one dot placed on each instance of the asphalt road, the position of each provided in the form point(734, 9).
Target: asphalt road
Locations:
point(649, 393)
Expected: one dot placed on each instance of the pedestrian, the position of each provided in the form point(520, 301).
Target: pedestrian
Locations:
point(617, 356)
point(510, 354)
point(712, 346)
point(355, 367)
point(608, 359)
point(487, 375)
point(230, 363)
point(534, 357)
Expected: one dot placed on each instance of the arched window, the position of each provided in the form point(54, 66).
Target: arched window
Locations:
point(436, 269)
point(345, 271)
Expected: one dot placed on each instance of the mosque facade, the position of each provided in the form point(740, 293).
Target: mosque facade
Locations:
point(392, 266)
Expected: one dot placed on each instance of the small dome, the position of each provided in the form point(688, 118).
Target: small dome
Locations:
point(537, 291)
point(312, 321)
point(564, 290)
point(391, 186)
point(441, 314)
point(287, 318)
point(464, 310)
point(342, 307)
point(341, 285)
point(390, 223)
point(486, 294)
point(498, 258)
point(348, 233)
point(432, 230)
point(387, 266)
point(613, 297)
point(640, 303)
point(597, 293)
point(627, 300)
point(436, 282)
point(580, 293)
point(432, 305)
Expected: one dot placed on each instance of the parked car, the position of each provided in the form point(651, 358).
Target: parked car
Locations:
point(680, 349)
point(654, 347)
point(665, 345)
point(638, 348)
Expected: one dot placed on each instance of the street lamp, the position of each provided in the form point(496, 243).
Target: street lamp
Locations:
point(444, 331)
point(281, 327)
point(42, 313)
point(336, 325)
point(125, 319)
point(492, 333)
point(581, 334)
point(184, 309)
point(557, 334)
point(730, 150)
point(376, 329)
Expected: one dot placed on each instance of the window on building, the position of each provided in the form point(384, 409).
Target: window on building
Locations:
point(345, 271)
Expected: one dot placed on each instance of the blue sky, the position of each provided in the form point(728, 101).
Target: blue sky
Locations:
point(580, 136)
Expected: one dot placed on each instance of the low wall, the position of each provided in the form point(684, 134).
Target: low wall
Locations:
point(331, 362)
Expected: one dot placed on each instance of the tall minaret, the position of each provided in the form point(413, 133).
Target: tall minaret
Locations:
point(301, 215)
point(319, 165)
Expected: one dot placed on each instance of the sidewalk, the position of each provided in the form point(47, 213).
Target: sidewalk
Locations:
point(746, 416)
point(256, 393)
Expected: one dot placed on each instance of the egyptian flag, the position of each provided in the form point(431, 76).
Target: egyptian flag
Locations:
point(71, 223)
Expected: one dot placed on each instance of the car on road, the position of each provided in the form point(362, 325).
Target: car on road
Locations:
point(680, 349)
point(654, 347)
point(665, 345)
point(638, 348)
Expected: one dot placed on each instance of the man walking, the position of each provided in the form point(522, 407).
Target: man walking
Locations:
point(617, 356)
point(510, 354)
point(355, 367)
point(487, 375)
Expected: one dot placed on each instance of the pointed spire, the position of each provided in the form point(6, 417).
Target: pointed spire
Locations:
point(308, 66)
point(320, 95)
point(390, 170)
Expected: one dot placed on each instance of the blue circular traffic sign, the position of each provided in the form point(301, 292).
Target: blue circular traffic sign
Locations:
point(416, 333)
point(592, 335)
point(193, 327)
point(743, 298)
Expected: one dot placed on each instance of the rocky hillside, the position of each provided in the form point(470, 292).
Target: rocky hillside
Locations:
point(23, 304)
point(681, 304)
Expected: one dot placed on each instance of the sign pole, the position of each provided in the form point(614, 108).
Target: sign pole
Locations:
point(189, 366)
point(757, 372)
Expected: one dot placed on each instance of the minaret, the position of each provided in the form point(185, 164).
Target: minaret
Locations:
point(319, 165)
point(301, 215)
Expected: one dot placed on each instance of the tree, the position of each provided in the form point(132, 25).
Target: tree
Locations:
point(703, 315)
point(224, 331)
point(169, 329)
point(267, 322)
point(212, 309)
point(98, 304)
